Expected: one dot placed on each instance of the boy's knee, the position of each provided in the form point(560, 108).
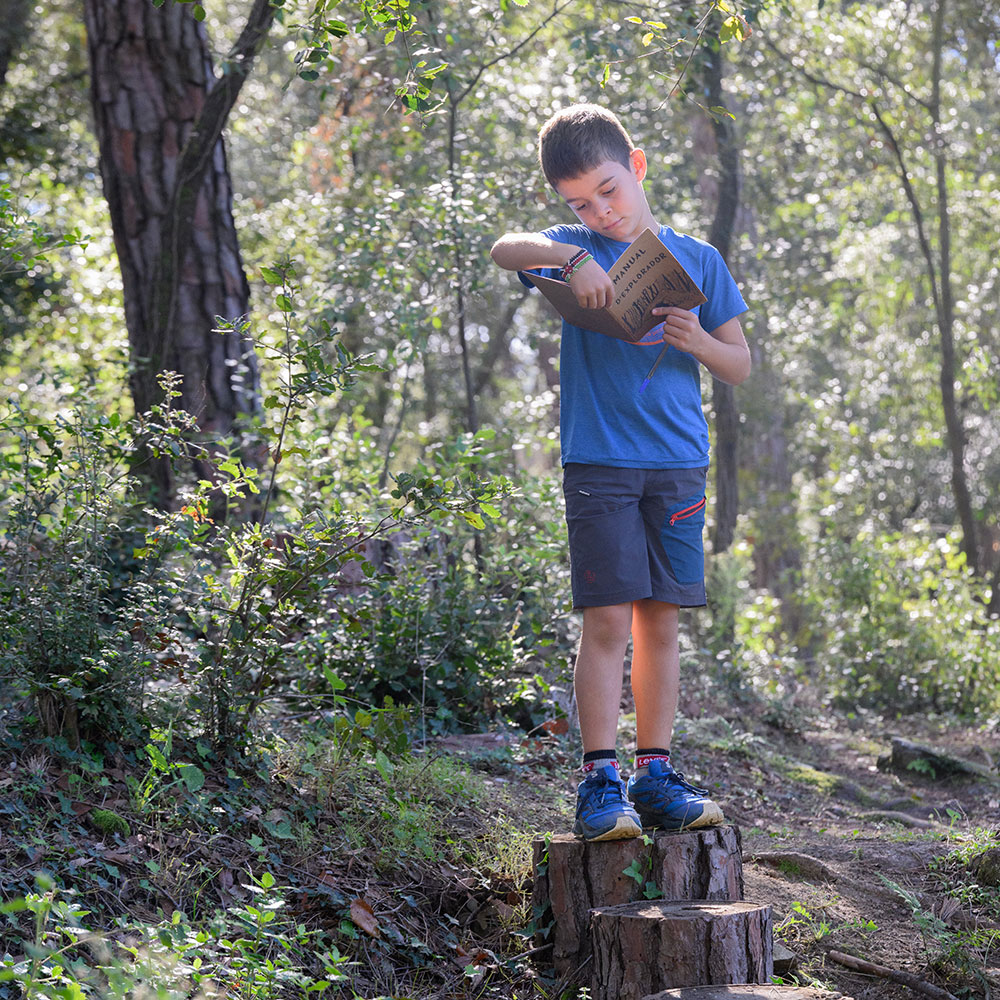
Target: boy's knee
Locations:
point(608, 626)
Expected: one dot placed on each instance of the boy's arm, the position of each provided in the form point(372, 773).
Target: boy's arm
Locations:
point(722, 351)
point(525, 251)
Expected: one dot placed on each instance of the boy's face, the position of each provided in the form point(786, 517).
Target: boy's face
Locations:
point(609, 198)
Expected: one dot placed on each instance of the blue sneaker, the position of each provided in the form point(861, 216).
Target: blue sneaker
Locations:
point(602, 809)
point(663, 798)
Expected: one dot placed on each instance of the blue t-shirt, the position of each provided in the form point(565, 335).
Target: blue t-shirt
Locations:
point(603, 419)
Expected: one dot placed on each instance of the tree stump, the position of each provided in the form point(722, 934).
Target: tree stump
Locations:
point(572, 876)
point(643, 947)
point(747, 993)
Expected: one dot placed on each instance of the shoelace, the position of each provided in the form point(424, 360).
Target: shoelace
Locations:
point(603, 785)
point(679, 778)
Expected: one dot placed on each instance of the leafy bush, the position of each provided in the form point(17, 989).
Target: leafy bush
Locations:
point(219, 614)
point(68, 645)
point(897, 624)
point(253, 949)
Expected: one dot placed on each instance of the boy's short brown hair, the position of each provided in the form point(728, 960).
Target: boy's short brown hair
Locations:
point(579, 138)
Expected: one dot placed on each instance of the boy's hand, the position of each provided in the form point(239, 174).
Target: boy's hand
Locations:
point(681, 328)
point(592, 286)
point(723, 351)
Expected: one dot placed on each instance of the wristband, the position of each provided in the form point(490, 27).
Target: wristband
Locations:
point(574, 264)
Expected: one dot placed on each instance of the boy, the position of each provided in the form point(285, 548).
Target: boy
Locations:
point(634, 467)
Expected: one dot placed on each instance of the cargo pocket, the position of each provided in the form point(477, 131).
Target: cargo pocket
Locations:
point(681, 535)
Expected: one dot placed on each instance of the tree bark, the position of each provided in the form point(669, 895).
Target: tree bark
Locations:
point(727, 202)
point(946, 311)
point(751, 992)
point(572, 876)
point(159, 111)
point(640, 948)
point(13, 32)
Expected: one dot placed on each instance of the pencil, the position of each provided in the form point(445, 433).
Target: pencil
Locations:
point(656, 363)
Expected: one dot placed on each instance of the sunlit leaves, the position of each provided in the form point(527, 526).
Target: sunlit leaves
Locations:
point(734, 27)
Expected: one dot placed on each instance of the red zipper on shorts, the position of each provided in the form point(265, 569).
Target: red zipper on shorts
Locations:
point(680, 515)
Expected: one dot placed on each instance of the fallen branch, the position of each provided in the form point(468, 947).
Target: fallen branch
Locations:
point(904, 819)
point(893, 975)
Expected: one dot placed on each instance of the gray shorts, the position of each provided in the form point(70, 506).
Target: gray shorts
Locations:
point(635, 534)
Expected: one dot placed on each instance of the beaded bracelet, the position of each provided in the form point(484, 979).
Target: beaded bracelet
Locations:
point(574, 264)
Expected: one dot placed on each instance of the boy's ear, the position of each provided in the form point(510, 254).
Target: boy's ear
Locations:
point(638, 158)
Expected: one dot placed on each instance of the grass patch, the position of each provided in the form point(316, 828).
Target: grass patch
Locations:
point(804, 774)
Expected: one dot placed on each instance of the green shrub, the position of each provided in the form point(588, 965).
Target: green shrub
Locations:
point(68, 644)
point(897, 624)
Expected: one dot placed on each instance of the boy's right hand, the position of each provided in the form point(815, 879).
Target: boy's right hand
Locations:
point(592, 286)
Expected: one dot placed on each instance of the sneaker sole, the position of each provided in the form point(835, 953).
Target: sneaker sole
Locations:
point(711, 815)
point(624, 829)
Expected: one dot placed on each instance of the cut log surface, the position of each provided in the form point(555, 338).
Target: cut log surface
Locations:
point(572, 876)
point(643, 947)
point(747, 993)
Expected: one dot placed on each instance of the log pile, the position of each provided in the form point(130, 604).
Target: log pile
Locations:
point(572, 877)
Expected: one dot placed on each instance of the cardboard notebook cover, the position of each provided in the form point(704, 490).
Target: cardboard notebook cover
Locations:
point(646, 275)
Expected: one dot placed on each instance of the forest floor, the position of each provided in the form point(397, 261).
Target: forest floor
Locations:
point(412, 875)
point(854, 858)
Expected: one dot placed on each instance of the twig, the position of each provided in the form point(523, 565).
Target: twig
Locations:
point(893, 975)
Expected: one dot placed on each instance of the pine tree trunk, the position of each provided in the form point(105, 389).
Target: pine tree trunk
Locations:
point(158, 115)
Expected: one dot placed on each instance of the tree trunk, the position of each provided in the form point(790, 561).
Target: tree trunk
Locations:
point(640, 948)
point(572, 876)
point(159, 111)
point(727, 203)
point(946, 311)
point(752, 992)
point(13, 32)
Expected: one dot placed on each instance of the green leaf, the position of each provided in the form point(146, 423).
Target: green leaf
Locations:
point(634, 871)
point(489, 510)
point(384, 766)
point(333, 680)
point(199, 12)
point(474, 519)
point(271, 276)
point(193, 776)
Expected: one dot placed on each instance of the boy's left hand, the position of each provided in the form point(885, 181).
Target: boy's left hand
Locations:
point(681, 328)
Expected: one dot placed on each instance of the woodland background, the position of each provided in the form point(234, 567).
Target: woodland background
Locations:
point(338, 512)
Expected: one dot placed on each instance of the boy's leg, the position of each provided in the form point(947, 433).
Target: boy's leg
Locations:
point(661, 795)
point(603, 811)
point(597, 679)
point(655, 671)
